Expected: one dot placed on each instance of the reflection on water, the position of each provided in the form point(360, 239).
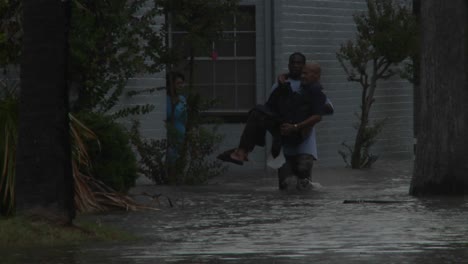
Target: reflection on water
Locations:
point(252, 222)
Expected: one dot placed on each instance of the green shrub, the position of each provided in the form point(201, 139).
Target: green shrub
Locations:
point(386, 37)
point(152, 153)
point(112, 159)
point(194, 167)
point(8, 138)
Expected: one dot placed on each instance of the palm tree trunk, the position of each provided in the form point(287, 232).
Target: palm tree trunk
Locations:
point(44, 182)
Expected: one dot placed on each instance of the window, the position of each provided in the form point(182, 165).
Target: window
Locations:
point(227, 71)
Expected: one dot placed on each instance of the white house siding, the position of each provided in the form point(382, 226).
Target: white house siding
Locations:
point(151, 124)
point(317, 28)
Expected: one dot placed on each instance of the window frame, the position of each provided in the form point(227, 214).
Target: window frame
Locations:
point(237, 112)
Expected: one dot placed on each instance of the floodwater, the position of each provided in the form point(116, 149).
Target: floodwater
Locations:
point(245, 219)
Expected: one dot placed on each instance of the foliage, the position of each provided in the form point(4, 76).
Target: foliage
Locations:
point(386, 36)
point(90, 194)
point(193, 167)
point(10, 39)
point(370, 134)
point(8, 139)
point(111, 41)
point(10, 32)
point(201, 20)
point(152, 154)
point(112, 161)
point(204, 142)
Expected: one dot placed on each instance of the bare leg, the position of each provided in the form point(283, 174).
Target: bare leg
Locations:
point(253, 134)
point(240, 154)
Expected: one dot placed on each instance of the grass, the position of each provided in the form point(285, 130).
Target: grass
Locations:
point(19, 231)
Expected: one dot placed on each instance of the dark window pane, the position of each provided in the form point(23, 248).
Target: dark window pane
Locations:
point(202, 72)
point(245, 96)
point(181, 45)
point(246, 18)
point(231, 78)
point(203, 52)
point(246, 44)
point(246, 71)
point(225, 72)
point(206, 91)
point(225, 46)
point(226, 95)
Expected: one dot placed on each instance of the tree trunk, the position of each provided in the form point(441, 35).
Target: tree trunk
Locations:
point(441, 164)
point(416, 78)
point(44, 182)
point(356, 156)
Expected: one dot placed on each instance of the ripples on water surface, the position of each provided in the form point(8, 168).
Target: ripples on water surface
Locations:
point(252, 222)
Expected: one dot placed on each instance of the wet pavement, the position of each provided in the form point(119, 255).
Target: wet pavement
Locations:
point(243, 218)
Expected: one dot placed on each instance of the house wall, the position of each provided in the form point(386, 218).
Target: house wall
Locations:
point(151, 124)
point(315, 28)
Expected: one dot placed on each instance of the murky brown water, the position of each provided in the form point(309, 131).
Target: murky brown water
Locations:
point(247, 220)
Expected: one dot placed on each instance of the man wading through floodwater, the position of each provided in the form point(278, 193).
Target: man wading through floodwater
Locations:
point(295, 105)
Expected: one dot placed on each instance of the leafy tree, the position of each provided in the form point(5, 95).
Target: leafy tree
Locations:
point(10, 39)
point(203, 22)
point(112, 160)
point(89, 28)
point(10, 33)
point(386, 36)
point(110, 42)
point(123, 39)
point(8, 138)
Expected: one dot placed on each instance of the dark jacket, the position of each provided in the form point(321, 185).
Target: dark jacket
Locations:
point(294, 107)
point(288, 106)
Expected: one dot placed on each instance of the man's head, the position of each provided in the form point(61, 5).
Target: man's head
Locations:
point(296, 62)
point(310, 73)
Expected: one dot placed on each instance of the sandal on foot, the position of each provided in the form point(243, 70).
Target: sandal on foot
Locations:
point(226, 157)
